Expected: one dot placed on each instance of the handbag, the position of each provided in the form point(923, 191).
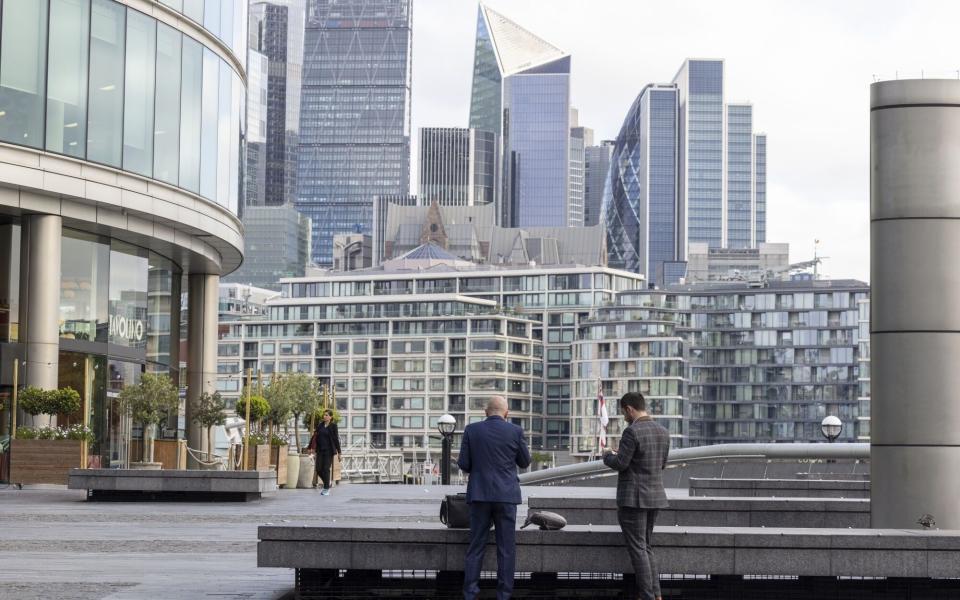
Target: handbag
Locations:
point(454, 512)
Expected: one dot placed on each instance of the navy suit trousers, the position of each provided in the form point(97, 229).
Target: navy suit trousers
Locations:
point(504, 519)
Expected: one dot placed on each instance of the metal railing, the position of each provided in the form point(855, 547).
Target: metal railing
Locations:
point(682, 457)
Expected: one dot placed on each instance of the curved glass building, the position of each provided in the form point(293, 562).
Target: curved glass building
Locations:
point(121, 129)
point(640, 200)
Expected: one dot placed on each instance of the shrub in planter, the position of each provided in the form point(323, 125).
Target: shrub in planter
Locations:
point(35, 401)
point(149, 402)
point(208, 412)
point(259, 408)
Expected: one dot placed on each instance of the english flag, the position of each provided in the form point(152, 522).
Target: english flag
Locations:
point(603, 416)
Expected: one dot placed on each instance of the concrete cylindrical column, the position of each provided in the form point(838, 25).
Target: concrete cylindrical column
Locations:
point(202, 304)
point(40, 246)
point(915, 302)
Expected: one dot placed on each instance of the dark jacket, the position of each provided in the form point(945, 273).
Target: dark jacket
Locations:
point(491, 452)
point(326, 440)
point(640, 460)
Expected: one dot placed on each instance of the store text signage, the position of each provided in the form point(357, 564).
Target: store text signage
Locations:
point(129, 329)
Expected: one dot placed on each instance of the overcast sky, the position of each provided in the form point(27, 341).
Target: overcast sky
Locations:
point(806, 67)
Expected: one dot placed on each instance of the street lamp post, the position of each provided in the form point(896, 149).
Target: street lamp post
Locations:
point(446, 425)
point(831, 427)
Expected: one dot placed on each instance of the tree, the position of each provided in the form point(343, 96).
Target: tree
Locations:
point(149, 402)
point(208, 412)
point(259, 408)
point(278, 396)
point(35, 401)
point(304, 394)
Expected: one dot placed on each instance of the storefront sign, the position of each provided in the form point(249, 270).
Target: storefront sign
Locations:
point(130, 329)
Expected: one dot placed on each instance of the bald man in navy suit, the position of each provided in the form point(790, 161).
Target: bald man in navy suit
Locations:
point(491, 452)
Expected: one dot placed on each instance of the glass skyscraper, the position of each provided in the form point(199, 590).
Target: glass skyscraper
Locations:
point(458, 166)
point(740, 209)
point(721, 190)
point(355, 114)
point(640, 198)
point(701, 149)
point(521, 91)
point(276, 32)
point(596, 167)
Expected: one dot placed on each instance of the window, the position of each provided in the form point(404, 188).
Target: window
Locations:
point(191, 96)
point(358, 422)
point(167, 128)
point(359, 403)
point(360, 347)
point(66, 77)
point(23, 55)
point(209, 125)
point(139, 93)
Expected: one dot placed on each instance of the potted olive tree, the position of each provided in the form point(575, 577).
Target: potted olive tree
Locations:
point(148, 403)
point(258, 454)
point(208, 413)
point(46, 454)
point(278, 396)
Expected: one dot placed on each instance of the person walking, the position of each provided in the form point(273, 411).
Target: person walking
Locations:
point(490, 453)
point(640, 460)
point(326, 444)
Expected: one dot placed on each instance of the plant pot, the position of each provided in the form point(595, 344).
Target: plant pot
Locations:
point(43, 461)
point(146, 466)
point(258, 458)
point(307, 469)
point(278, 460)
point(293, 470)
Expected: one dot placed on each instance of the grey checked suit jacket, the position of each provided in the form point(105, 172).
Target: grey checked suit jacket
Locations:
point(640, 460)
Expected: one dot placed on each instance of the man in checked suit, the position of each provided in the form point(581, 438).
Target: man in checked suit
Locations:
point(491, 452)
point(640, 459)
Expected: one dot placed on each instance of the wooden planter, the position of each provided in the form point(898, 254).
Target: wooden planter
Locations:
point(164, 452)
point(258, 458)
point(43, 461)
point(278, 460)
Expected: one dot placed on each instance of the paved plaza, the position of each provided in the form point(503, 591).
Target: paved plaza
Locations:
point(54, 544)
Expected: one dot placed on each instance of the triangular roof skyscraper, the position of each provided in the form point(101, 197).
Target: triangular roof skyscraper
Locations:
point(516, 48)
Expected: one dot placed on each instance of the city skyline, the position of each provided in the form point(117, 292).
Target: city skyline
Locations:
point(811, 133)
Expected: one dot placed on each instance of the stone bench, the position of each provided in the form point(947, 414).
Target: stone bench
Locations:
point(719, 512)
point(779, 488)
point(369, 549)
point(136, 484)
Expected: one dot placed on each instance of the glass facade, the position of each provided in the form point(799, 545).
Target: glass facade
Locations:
point(725, 363)
point(701, 84)
point(226, 19)
point(596, 168)
point(722, 164)
point(86, 78)
point(640, 197)
point(760, 186)
point(538, 145)
point(740, 176)
point(486, 97)
point(449, 157)
point(355, 115)
point(521, 92)
point(277, 33)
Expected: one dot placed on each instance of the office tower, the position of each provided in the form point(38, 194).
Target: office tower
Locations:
point(355, 114)
point(276, 244)
point(642, 213)
point(596, 166)
point(276, 32)
point(741, 230)
point(760, 186)
point(521, 91)
point(458, 166)
point(719, 180)
point(255, 169)
point(580, 138)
